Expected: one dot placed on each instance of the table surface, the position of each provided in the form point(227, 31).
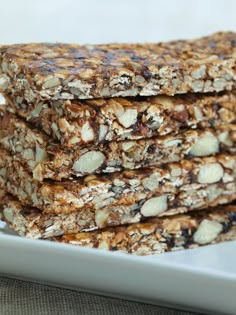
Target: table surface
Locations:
point(26, 298)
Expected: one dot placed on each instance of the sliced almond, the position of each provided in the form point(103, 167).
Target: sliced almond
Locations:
point(89, 162)
point(207, 231)
point(8, 214)
point(28, 154)
point(154, 206)
point(128, 118)
point(101, 217)
point(4, 82)
point(41, 154)
point(205, 145)
point(210, 173)
point(224, 138)
point(87, 133)
point(152, 182)
point(102, 132)
point(51, 83)
point(126, 145)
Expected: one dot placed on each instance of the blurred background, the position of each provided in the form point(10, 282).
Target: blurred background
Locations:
point(100, 21)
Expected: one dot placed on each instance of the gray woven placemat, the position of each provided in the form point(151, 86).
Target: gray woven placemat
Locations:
point(25, 298)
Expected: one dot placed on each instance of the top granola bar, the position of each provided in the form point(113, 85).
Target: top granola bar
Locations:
point(70, 71)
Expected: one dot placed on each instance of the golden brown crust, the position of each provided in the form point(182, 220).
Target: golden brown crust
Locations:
point(66, 71)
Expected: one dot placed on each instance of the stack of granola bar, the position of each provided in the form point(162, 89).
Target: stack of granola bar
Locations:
point(119, 146)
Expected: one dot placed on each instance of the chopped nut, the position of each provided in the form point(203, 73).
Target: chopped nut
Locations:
point(35, 113)
point(4, 66)
point(104, 203)
point(103, 245)
point(101, 217)
point(41, 154)
point(152, 182)
point(64, 125)
point(127, 145)
point(119, 183)
point(171, 143)
point(4, 82)
point(8, 214)
point(55, 130)
point(2, 100)
point(213, 192)
point(175, 170)
point(3, 172)
point(105, 92)
point(139, 79)
point(205, 145)
point(73, 141)
point(210, 173)
point(18, 148)
point(227, 178)
point(89, 162)
point(199, 73)
point(38, 173)
point(219, 84)
point(198, 113)
point(207, 231)
point(103, 129)
point(197, 85)
point(225, 138)
point(154, 206)
point(51, 83)
point(87, 132)
point(28, 154)
point(128, 118)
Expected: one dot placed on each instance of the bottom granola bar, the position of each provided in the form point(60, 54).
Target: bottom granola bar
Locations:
point(161, 235)
point(154, 236)
point(33, 223)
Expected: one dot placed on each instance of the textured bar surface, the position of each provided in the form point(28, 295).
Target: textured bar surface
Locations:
point(165, 234)
point(68, 71)
point(127, 197)
point(46, 159)
point(154, 236)
point(79, 123)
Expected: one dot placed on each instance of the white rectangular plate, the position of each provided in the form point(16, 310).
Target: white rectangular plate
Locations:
point(203, 279)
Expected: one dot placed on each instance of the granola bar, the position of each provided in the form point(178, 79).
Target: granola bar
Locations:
point(45, 159)
point(163, 234)
point(129, 196)
point(69, 71)
point(81, 122)
point(154, 236)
